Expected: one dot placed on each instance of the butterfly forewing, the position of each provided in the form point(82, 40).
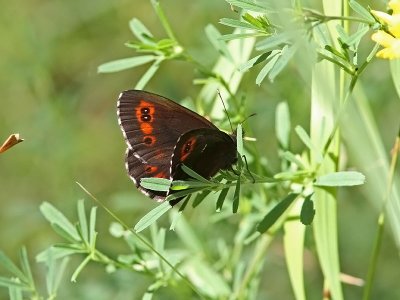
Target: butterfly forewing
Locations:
point(151, 125)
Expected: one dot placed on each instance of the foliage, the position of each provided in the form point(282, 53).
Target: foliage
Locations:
point(302, 194)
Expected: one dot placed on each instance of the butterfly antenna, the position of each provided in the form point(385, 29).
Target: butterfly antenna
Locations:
point(248, 117)
point(226, 111)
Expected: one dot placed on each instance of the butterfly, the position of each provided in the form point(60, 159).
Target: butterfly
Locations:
point(161, 135)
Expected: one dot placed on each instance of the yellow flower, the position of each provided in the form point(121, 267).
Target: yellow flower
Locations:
point(391, 45)
point(392, 21)
point(395, 6)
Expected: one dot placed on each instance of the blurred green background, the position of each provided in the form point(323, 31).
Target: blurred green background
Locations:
point(52, 95)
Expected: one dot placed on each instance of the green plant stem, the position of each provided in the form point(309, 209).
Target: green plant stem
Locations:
point(324, 18)
point(381, 222)
point(147, 244)
point(254, 265)
point(342, 107)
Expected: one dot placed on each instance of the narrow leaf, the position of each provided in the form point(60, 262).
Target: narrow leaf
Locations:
point(268, 66)
point(9, 283)
point(283, 59)
point(361, 10)
point(250, 5)
point(235, 36)
point(25, 266)
point(273, 41)
point(254, 61)
point(305, 138)
point(152, 216)
point(236, 23)
point(92, 230)
point(149, 74)
point(345, 178)
point(236, 196)
point(140, 31)
point(282, 124)
point(239, 139)
point(274, 214)
point(55, 217)
point(193, 174)
point(221, 197)
point(125, 63)
point(307, 211)
point(200, 197)
point(82, 220)
point(10, 266)
point(289, 156)
point(156, 184)
point(213, 36)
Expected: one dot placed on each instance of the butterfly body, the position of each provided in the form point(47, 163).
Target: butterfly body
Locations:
point(161, 135)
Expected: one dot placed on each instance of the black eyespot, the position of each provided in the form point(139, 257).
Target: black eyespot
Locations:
point(187, 148)
point(145, 110)
point(148, 169)
point(145, 118)
point(148, 140)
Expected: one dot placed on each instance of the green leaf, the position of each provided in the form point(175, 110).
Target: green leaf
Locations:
point(273, 41)
point(283, 59)
point(249, 5)
point(9, 283)
point(293, 242)
point(239, 139)
point(268, 66)
point(214, 36)
point(152, 216)
point(274, 214)
point(11, 267)
point(305, 138)
point(92, 230)
point(200, 197)
point(82, 220)
point(156, 184)
point(254, 61)
point(26, 267)
point(289, 156)
point(54, 275)
point(235, 36)
point(56, 252)
point(361, 10)
point(149, 74)
point(307, 211)
point(236, 196)
point(345, 178)
point(355, 38)
point(193, 174)
point(221, 197)
point(236, 23)
point(179, 185)
point(282, 124)
point(55, 217)
point(183, 193)
point(125, 63)
point(140, 31)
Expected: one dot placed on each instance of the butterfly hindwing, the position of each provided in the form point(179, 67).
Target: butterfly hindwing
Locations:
point(205, 151)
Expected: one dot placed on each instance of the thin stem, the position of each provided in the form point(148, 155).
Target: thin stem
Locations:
point(254, 265)
point(323, 18)
point(381, 221)
point(342, 107)
point(164, 21)
point(143, 240)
